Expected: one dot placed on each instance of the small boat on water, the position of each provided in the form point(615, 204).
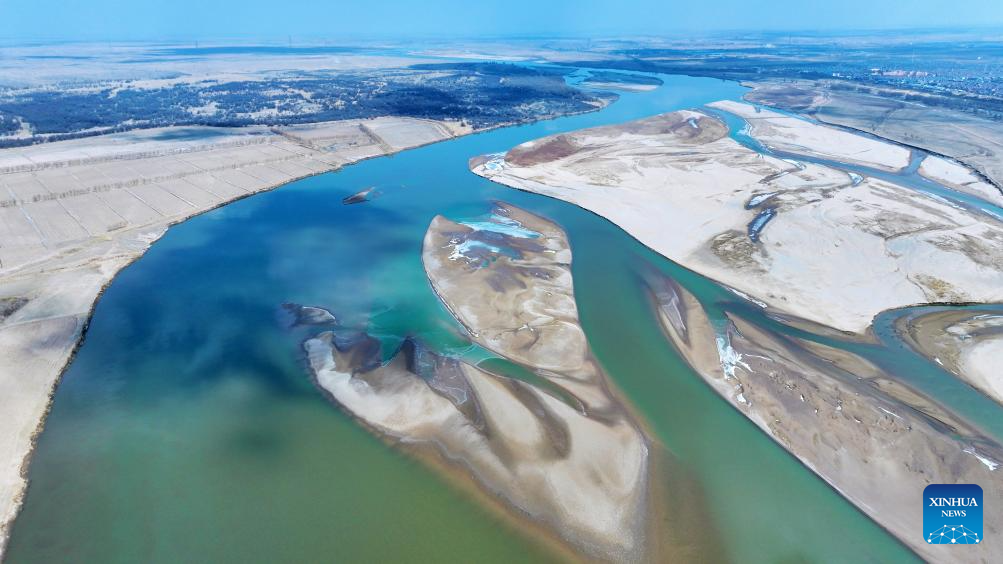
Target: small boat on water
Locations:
point(360, 196)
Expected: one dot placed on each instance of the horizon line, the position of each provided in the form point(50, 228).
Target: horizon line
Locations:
point(332, 39)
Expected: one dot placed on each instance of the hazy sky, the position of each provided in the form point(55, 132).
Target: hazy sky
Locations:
point(331, 19)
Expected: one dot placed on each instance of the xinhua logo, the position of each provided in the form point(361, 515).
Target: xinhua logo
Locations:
point(952, 514)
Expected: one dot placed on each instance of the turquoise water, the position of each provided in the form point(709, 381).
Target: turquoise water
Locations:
point(188, 429)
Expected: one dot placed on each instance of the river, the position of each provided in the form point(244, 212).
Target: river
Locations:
point(188, 429)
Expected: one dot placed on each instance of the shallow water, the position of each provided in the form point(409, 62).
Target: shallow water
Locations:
point(188, 428)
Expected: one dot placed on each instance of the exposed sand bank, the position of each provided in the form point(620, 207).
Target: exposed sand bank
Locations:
point(803, 239)
point(625, 86)
point(74, 213)
point(895, 114)
point(806, 241)
point(960, 178)
point(621, 81)
point(980, 364)
point(796, 135)
point(966, 342)
point(561, 448)
point(875, 440)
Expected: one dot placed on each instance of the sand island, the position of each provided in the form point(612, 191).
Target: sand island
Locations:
point(811, 244)
point(558, 447)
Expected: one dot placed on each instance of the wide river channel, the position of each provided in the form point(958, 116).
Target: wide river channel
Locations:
point(188, 428)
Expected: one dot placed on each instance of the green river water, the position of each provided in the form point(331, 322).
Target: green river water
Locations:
point(188, 429)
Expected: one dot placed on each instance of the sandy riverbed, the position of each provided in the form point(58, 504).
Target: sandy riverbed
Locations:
point(897, 114)
point(966, 342)
point(959, 177)
point(803, 239)
point(808, 242)
point(796, 135)
point(874, 439)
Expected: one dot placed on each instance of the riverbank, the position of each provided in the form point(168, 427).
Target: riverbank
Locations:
point(80, 211)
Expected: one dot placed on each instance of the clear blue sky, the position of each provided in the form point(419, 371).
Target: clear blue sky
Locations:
point(331, 19)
